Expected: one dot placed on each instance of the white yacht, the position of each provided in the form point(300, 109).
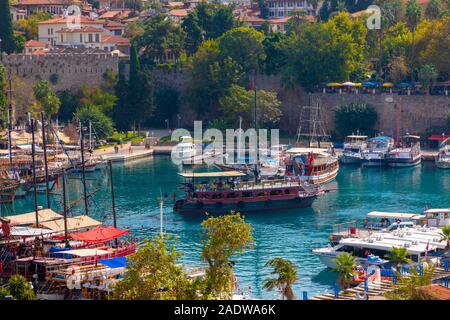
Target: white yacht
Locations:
point(406, 154)
point(354, 146)
point(185, 150)
point(377, 150)
point(442, 159)
point(417, 243)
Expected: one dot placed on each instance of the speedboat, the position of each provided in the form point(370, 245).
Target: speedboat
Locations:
point(354, 146)
point(377, 150)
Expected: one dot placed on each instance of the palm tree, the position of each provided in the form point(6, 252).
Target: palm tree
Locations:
point(287, 276)
point(446, 237)
point(398, 256)
point(413, 14)
point(345, 265)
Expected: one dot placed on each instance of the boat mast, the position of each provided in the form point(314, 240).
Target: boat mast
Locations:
point(161, 203)
point(239, 137)
point(33, 151)
point(44, 146)
point(113, 201)
point(90, 135)
point(64, 206)
point(256, 130)
point(9, 118)
point(83, 177)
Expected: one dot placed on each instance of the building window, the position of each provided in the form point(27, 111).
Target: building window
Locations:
point(62, 38)
point(81, 37)
point(97, 38)
point(90, 37)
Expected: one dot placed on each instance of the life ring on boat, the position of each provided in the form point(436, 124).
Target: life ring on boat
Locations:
point(241, 204)
point(199, 205)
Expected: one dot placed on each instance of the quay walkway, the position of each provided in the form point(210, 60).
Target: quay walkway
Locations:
point(123, 153)
point(375, 291)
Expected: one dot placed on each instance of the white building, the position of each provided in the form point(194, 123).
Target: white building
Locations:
point(282, 8)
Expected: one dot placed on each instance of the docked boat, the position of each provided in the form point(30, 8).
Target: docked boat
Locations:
point(406, 153)
point(418, 244)
point(442, 159)
point(312, 165)
point(377, 150)
point(185, 150)
point(354, 147)
point(229, 193)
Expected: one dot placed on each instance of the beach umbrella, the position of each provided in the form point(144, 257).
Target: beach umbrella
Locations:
point(348, 84)
point(403, 84)
point(333, 84)
point(368, 84)
point(388, 84)
point(358, 84)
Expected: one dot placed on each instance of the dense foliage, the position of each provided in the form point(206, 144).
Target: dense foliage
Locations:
point(355, 117)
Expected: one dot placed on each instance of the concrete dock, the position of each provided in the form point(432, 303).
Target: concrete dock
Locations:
point(124, 153)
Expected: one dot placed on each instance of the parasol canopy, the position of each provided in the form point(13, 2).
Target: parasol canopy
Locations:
point(99, 234)
point(334, 84)
point(388, 85)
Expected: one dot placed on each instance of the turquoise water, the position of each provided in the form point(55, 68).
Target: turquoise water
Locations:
point(291, 234)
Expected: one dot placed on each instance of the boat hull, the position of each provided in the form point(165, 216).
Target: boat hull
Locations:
point(373, 163)
point(322, 178)
point(443, 164)
point(192, 207)
point(404, 163)
point(349, 159)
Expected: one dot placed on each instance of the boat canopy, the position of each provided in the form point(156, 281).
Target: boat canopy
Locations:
point(353, 136)
point(221, 174)
point(308, 150)
point(27, 232)
point(118, 262)
point(394, 215)
point(410, 136)
point(44, 215)
point(82, 252)
point(75, 223)
point(99, 234)
point(437, 211)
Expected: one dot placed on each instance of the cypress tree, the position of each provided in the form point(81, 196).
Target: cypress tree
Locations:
point(6, 29)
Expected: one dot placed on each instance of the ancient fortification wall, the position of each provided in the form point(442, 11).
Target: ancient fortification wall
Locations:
point(72, 70)
point(418, 113)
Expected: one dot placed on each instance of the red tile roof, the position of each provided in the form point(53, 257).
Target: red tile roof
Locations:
point(179, 12)
point(115, 39)
point(35, 44)
point(40, 2)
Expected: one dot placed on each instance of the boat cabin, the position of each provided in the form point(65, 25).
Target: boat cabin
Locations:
point(437, 217)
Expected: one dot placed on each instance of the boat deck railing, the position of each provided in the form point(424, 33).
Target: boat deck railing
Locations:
point(247, 186)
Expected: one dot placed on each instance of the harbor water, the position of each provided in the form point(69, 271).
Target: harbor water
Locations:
point(289, 234)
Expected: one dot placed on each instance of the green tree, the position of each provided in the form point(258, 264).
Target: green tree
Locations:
point(345, 265)
point(69, 103)
point(30, 25)
point(154, 273)
point(446, 230)
point(210, 77)
point(287, 276)
point(396, 42)
point(122, 115)
point(355, 117)
point(8, 43)
point(413, 14)
point(433, 10)
point(208, 20)
point(244, 45)
point(102, 125)
point(273, 48)
point(392, 11)
point(398, 69)
point(162, 40)
point(46, 98)
point(398, 256)
point(20, 289)
point(239, 102)
point(3, 84)
point(102, 99)
point(167, 103)
point(427, 76)
point(406, 288)
point(4, 292)
point(295, 23)
point(223, 238)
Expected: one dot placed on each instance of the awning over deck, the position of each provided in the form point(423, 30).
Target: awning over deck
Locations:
point(44, 215)
point(99, 234)
point(394, 215)
point(221, 174)
point(113, 263)
point(75, 223)
point(81, 253)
